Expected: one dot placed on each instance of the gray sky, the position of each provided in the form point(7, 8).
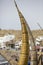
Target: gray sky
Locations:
point(31, 9)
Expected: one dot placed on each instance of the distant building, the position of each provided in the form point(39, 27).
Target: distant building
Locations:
point(7, 40)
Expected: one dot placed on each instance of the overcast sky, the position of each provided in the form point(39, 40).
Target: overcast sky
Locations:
point(31, 9)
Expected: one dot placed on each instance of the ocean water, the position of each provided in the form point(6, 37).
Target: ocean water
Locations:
point(3, 61)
